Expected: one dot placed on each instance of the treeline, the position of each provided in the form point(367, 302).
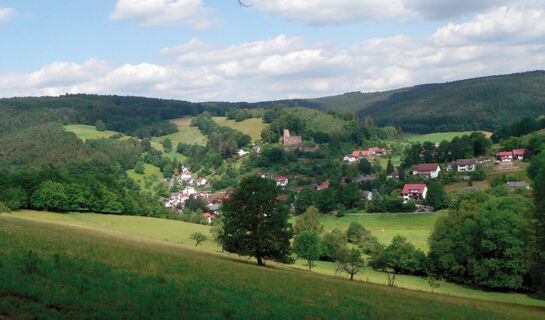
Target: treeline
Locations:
point(135, 116)
point(465, 147)
point(519, 128)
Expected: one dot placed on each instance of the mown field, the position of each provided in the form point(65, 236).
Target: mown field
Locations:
point(251, 127)
point(437, 137)
point(85, 132)
point(86, 272)
point(152, 174)
point(148, 231)
point(187, 134)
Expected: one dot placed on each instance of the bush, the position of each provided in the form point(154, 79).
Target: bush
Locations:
point(4, 208)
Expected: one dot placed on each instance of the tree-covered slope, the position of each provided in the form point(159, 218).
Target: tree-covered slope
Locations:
point(482, 103)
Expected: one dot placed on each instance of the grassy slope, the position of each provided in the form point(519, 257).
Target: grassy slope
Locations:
point(416, 227)
point(223, 285)
point(150, 171)
point(85, 132)
point(187, 134)
point(438, 136)
point(175, 233)
point(251, 127)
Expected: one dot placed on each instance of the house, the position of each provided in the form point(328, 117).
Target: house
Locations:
point(358, 154)
point(208, 216)
point(282, 198)
point(189, 190)
point(213, 207)
point(518, 184)
point(298, 189)
point(201, 182)
point(242, 153)
point(323, 186)
point(201, 194)
point(426, 170)
point(264, 175)
point(288, 140)
point(376, 150)
point(414, 191)
point(367, 195)
point(505, 156)
point(393, 175)
point(349, 158)
point(186, 176)
point(370, 177)
point(257, 149)
point(281, 181)
point(520, 154)
point(463, 165)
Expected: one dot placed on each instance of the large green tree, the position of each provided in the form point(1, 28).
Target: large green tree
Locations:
point(256, 224)
point(309, 221)
point(307, 246)
point(537, 172)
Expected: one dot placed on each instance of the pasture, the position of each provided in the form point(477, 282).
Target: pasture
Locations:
point(416, 227)
point(149, 180)
point(437, 137)
point(251, 127)
point(81, 270)
point(187, 134)
point(85, 132)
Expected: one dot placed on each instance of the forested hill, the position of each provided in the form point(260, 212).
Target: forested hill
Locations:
point(482, 103)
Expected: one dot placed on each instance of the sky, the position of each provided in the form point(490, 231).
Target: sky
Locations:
point(217, 50)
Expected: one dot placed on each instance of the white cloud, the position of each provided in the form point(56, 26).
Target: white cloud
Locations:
point(327, 12)
point(6, 14)
point(149, 13)
point(501, 41)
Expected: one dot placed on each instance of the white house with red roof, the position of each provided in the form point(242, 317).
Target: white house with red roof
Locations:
point(520, 154)
point(376, 150)
point(323, 186)
point(208, 216)
point(505, 156)
point(427, 170)
point(281, 181)
point(414, 191)
point(201, 182)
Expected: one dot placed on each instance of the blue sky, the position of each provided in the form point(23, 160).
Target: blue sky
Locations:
point(204, 50)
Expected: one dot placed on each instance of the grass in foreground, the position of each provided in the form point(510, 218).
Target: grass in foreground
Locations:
point(80, 273)
point(251, 127)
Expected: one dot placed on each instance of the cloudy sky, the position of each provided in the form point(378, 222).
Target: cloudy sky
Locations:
point(202, 50)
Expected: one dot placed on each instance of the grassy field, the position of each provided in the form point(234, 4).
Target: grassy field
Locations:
point(187, 134)
point(151, 173)
point(416, 227)
point(456, 188)
point(438, 136)
point(85, 132)
point(168, 233)
point(251, 127)
point(168, 279)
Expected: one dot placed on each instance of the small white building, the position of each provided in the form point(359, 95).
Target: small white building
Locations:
point(426, 170)
point(242, 153)
point(201, 182)
point(367, 195)
point(282, 181)
point(349, 158)
point(463, 165)
point(189, 190)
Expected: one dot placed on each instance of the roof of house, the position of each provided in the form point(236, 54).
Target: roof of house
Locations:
point(394, 174)
point(324, 185)
point(505, 153)
point(426, 167)
point(520, 152)
point(375, 149)
point(464, 162)
point(208, 215)
point(413, 186)
point(281, 179)
point(360, 153)
point(282, 197)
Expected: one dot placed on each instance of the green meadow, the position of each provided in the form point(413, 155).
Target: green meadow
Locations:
point(251, 127)
point(165, 235)
point(437, 137)
point(80, 267)
point(85, 132)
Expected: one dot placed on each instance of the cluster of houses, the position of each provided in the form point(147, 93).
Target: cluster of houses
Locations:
point(360, 154)
point(513, 155)
point(178, 199)
point(280, 181)
point(186, 177)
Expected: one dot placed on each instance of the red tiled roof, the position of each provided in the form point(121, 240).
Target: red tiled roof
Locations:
point(207, 215)
point(299, 188)
point(425, 167)
point(282, 198)
point(413, 186)
point(281, 179)
point(324, 185)
point(360, 153)
point(520, 152)
point(505, 153)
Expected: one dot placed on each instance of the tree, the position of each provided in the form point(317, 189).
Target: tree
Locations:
point(4, 208)
point(198, 237)
point(307, 246)
point(167, 145)
point(369, 122)
point(364, 166)
point(50, 195)
point(309, 221)
point(217, 231)
point(349, 261)
point(390, 167)
point(432, 282)
point(401, 257)
point(537, 173)
point(139, 167)
point(305, 199)
point(436, 196)
point(331, 243)
point(325, 200)
point(255, 223)
point(99, 125)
